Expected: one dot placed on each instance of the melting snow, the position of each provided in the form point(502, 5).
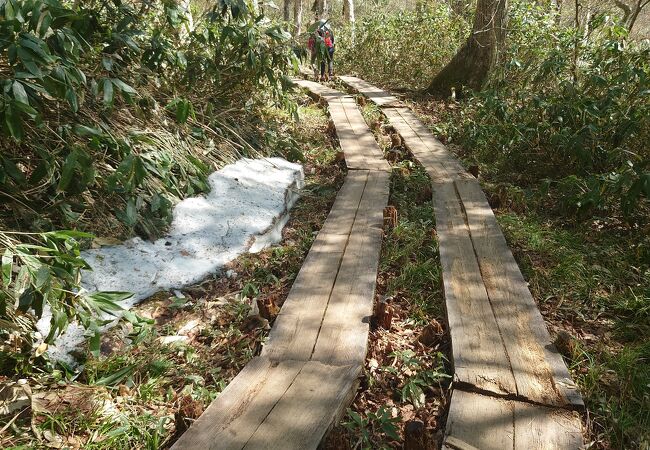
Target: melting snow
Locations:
point(245, 210)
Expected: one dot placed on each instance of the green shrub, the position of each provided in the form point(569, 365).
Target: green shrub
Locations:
point(89, 92)
point(572, 116)
point(401, 49)
point(110, 112)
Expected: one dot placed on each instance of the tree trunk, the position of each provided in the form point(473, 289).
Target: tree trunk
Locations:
point(319, 7)
point(556, 8)
point(297, 16)
point(286, 10)
point(635, 14)
point(348, 10)
point(472, 64)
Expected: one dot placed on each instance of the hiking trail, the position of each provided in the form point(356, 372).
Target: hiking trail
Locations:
point(511, 388)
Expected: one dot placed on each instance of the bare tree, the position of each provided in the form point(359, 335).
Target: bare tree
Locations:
point(319, 7)
point(297, 16)
point(286, 10)
point(631, 10)
point(348, 10)
point(473, 62)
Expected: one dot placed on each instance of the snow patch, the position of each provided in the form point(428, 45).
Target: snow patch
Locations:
point(245, 210)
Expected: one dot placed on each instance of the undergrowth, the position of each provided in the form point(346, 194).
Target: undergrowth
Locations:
point(400, 49)
point(110, 113)
point(591, 283)
point(151, 381)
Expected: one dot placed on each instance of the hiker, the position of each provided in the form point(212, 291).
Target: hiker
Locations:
point(329, 45)
point(321, 46)
point(315, 46)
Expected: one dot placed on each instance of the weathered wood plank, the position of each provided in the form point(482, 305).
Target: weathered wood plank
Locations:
point(343, 337)
point(355, 138)
point(431, 153)
point(483, 422)
point(479, 356)
point(537, 427)
point(539, 371)
point(479, 421)
point(357, 141)
point(232, 418)
point(281, 399)
point(319, 89)
point(296, 328)
point(317, 397)
point(376, 95)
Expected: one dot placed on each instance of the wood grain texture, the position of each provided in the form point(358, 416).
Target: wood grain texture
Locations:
point(484, 422)
point(317, 397)
point(343, 337)
point(376, 95)
point(539, 371)
point(232, 418)
point(355, 138)
point(296, 328)
point(431, 153)
point(479, 355)
point(479, 421)
point(318, 89)
point(537, 427)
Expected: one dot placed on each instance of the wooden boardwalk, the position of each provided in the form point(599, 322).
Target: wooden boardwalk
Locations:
point(289, 396)
point(511, 387)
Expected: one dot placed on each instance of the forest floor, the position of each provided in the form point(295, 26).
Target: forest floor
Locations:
point(151, 380)
point(189, 344)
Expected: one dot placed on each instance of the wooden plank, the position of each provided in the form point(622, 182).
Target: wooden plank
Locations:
point(345, 207)
point(355, 138)
point(232, 418)
point(296, 328)
point(376, 95)
point(357, 141)
point(479, 356)
point(479, 421)
point(484, 422)
point(317, 397)
point(539, 371)
point(431, 153)
point(343, 337)
point(318, 89)
point(280, 399)
point(537, 427)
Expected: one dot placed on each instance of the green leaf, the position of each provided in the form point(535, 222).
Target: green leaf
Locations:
point(73, 101)
point(84, 131)
point(26, 298)
point(116, 377)
point(107, 62)
point(33, 68)
point(107, 301)
point(68, 170)
point(68, 234)
point(94, 344)
point(7, 266)
point(19, 92)
point(12, 170)
point(42, 277)
point(108, 92)
point(182, 111)
point(14, 123)
point(122, 86)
